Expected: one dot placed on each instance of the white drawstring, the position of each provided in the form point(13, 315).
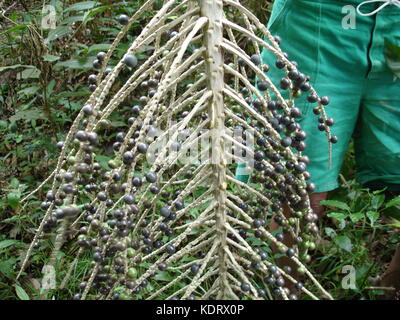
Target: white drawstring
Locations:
point(385, 4)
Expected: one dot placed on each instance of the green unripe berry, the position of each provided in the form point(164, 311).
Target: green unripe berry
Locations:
point(132, 273)
point(130, 252)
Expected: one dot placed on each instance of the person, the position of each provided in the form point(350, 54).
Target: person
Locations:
point(346, 59)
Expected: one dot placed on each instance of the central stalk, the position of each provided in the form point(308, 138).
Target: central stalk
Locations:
point(213, 37)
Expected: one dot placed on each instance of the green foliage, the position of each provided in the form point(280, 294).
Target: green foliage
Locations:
point(43, 83)
point(392, 54)
point(43, 79)
point(358, 232)
point(21, 293)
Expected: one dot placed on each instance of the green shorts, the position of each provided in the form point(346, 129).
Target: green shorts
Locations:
point(349, 66)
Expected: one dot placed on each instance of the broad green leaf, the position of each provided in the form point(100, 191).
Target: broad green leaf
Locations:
point(29, 91)
point(335, 204)
point(393, 212)
point(70, 20)
point(13, 29)
point(19, 139)
point(344, 243)
point(16, 66)
point(58, 32)
point(58, 4)
point(353, 194)
point(21, 293)
point(80, 6)
point(103, 161)
point(50, 87)
point(337, 215)
point(77, 64)
point(50, 58)
point(254, 241)
point(88, 15)
point(372, 216)
point(392, 55)
point(330, 232)
point(99, 47)
point(391, 50)
point(31, 73)
point(162, 276)
point(354, 217)
point(60, 255)
point(393, 202)
point(361, 271)
point(394, 66)
point(13, 199)
point(7, 268)
point(67, 94)
point(377, 201)
point(14, 183)
point(7, 243)
point(33, 114)
point(117, 124)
